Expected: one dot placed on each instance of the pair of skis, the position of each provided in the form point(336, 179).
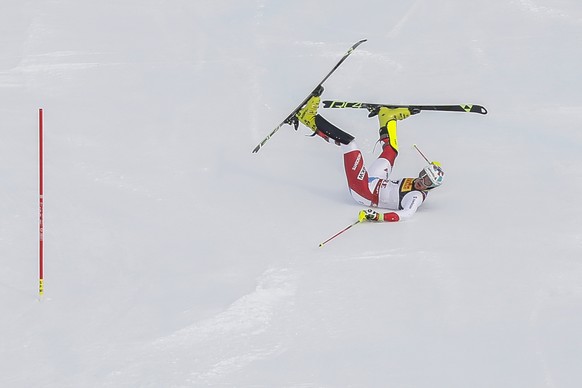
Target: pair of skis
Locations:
point(292, 120)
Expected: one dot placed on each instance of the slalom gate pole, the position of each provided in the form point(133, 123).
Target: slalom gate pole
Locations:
point(40, 207)
point(338, 233)
point(420, 152)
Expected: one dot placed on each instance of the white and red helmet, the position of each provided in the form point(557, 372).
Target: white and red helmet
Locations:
point(432, 175)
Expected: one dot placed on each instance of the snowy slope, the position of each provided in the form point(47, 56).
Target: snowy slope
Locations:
point(176, 258)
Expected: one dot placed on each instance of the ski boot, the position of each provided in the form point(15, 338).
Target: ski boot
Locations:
point(386, 114)
point(387, 118)
point(306, 115)
point(319, 125)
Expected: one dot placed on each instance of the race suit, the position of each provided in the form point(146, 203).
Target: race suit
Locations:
point(373, 188)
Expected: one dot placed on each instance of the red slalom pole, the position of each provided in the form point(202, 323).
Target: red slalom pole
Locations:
point(338, 233)
point(40, 204)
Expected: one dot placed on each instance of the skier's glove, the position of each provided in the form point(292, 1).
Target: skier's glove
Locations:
point(369, 215)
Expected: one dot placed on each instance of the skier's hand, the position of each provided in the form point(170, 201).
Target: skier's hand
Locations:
point(368, 215)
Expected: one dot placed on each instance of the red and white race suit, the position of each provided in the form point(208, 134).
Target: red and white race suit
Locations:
point(371, 187)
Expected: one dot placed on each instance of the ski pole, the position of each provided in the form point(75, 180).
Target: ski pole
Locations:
point(338, 233)
point(420, 152)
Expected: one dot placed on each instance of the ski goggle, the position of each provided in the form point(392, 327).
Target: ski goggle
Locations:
point(425, 179)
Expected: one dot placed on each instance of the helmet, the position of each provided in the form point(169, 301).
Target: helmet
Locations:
point(432, 175)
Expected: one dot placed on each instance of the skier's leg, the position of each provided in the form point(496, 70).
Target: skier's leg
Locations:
point(320, 126)
point(382, 167)
point(328, 131)
point(357, 176)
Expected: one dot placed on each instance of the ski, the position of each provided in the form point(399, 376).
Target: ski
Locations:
point(291, 118)
point(413, 108)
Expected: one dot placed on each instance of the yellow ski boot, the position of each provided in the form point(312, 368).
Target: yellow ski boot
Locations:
point(388, 118)
point(386, 114)
point(307, 114)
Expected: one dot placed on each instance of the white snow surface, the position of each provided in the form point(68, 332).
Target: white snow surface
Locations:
point(174, 257)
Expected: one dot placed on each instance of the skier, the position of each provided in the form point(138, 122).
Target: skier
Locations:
point(372, 187)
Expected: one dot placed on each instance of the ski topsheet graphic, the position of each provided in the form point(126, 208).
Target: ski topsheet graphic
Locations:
point(413, 108)
point(291, 118)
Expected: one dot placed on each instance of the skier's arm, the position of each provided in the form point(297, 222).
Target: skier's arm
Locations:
point(410, 203)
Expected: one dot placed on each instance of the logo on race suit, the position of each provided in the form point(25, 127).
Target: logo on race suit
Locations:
point(407, 184)
point(357, 162)
point(412, 203)
point(362, 173)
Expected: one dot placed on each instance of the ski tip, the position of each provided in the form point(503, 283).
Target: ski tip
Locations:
point(475, 108)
